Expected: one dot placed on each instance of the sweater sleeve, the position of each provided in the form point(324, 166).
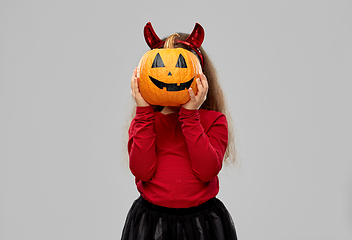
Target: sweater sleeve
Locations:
point(206, 149)
point(141, 144)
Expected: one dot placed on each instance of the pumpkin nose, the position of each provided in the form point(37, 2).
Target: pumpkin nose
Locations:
point(169, 74)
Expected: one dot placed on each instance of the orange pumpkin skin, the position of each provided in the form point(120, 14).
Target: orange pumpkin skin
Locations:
point(167, 83)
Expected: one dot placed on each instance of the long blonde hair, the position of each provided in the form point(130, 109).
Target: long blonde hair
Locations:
point(215, 99)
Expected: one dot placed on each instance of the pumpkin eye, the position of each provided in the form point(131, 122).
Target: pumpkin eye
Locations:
point(181, 62)
point(158, 62)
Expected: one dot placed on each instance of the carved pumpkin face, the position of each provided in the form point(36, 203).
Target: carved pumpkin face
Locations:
point(167, 74)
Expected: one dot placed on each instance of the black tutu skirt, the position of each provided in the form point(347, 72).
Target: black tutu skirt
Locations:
point(208, 221)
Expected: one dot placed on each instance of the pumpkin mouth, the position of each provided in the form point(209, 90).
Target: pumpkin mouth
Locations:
point(171, 87)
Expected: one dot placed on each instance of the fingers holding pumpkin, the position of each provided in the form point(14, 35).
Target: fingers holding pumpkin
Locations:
point(134, 75)
point(197, 100)
point(204, 82)
point(202, 85)
point(134, 84)
point(140, 102)
point(191, 95)
point(134, 88)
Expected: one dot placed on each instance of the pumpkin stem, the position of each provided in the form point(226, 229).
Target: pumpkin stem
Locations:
point(169, 42)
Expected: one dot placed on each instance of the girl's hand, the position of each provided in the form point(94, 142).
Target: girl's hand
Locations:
point(140, 102)
point(197, 100)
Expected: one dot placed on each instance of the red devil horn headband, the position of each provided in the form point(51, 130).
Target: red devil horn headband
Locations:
point(194, 41)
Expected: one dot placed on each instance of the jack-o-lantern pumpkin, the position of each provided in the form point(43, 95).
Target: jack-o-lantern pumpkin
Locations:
point(165, 75)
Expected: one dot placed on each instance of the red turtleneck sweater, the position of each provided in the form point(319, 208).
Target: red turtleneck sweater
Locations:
point(176, 157)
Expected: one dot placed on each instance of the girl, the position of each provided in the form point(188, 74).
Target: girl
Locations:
point(176, 154)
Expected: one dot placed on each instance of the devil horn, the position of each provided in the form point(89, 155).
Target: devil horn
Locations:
point(151, 38)
point(197, 36)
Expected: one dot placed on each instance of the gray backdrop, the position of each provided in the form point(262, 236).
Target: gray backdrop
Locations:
point(65, 69)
